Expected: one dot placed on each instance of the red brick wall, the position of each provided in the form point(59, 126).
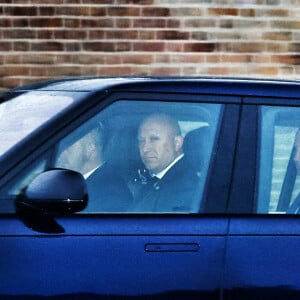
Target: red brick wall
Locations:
point(42, 39)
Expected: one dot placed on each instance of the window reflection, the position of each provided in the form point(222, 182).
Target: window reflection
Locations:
point(25, 113)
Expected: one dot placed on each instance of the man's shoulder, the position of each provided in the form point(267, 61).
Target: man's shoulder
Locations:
point(181, 171)
point(182, 164)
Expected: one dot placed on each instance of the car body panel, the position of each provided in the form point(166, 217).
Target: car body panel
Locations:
point(261, 257)
point(228, 251)
point(131, 255)
point(106, 255)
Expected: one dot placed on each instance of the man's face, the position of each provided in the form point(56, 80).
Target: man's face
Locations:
point(158, 144)
point(83, 155)
point(297, 152)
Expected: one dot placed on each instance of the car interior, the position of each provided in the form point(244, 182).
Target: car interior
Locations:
point(119, 124)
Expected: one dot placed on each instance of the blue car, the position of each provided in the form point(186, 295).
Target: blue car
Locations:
point(150, 188)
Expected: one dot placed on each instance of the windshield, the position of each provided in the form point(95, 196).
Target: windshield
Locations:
point(23, 114)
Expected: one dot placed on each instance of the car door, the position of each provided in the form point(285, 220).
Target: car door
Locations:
point(119, 251)
point(263, 241)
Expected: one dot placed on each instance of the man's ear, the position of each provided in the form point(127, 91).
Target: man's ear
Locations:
point(178, 142)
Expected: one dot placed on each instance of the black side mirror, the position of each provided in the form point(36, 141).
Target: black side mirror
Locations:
point(55, 192)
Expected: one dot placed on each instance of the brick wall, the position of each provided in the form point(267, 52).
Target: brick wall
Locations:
point(42, 39)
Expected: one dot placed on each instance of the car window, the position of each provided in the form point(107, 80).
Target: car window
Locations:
point(137, 157)
point(279, 183)
point(23, 114)
point(120, 160)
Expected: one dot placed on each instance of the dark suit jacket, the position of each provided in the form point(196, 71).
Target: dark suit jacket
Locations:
point(107, 191)
point(177, 191)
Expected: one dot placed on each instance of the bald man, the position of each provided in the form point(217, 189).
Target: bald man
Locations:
point(169, 185)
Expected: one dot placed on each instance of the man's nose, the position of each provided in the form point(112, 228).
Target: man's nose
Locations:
point(146, 145)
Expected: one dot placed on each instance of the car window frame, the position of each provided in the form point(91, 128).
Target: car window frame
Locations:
point(259, 102)
point(242, 190)
point(99, 103)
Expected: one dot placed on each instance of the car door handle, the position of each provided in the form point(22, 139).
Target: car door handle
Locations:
point(172, 247)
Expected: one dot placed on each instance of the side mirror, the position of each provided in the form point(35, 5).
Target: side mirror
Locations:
point(56, 192)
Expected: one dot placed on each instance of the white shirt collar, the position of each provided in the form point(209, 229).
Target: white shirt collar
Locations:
point(162, 173)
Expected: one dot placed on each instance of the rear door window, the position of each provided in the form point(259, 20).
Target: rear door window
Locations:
point(279, 180)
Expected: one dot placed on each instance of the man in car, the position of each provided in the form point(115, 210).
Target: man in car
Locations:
point(84, 155)
point(107, 191)
point(169, 184)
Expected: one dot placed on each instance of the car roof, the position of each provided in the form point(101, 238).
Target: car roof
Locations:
point(215, 85)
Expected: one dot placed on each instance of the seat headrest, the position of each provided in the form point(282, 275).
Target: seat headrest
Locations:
point(196, 147)
point(121, 151)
